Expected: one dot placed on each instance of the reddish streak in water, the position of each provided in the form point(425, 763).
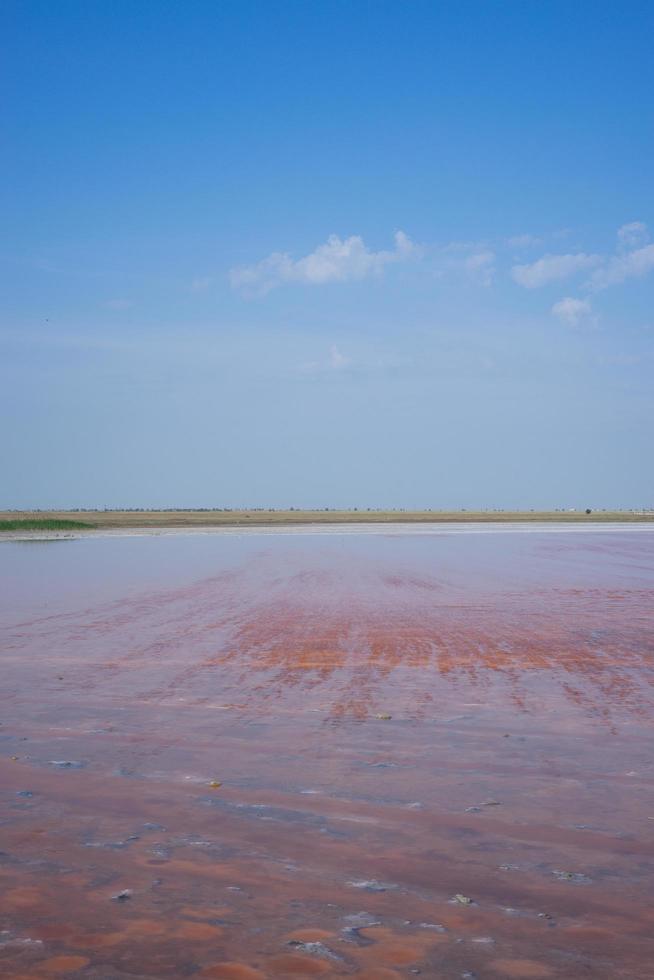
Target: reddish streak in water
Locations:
point(515, 769)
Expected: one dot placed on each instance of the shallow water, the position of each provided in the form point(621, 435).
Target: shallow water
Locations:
point(516, 768)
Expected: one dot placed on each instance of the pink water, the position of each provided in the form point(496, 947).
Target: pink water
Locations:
point(516, 768)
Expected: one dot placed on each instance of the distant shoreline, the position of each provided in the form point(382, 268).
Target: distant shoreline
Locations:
point(56, 523)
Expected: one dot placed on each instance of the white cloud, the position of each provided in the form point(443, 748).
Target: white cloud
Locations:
point(350, 259)
point(551, 268)
point(474, 260)
point(571, 310)
point(481, 266)
point(523, 241)
point(334, 363)
point(336, 359)
point(633, 235)
point(338, 260)
point(633, 260)
point(200, 283)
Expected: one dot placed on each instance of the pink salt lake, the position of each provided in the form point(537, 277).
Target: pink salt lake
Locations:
point(515, 769)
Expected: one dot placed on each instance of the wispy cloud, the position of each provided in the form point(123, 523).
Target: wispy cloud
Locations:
point(633, 235)
point(200, 283)
point(633, 260)
point(337, 260)
point(524, 241)
point(632, 265)
point(335, 363)
point(572, 311)
point(336, 359)
point(552, 268)
point(481, 266)
point(342, 260)
point(474, 261)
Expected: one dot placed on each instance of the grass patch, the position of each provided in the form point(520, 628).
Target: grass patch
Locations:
point(43, 524)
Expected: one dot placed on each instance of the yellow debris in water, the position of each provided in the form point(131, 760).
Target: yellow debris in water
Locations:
point(214, 784)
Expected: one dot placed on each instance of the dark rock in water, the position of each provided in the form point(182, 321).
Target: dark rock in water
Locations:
point(371, 886)
point(123, 896)
point(25, 793)
point(574, 876)
point(355, 922)
point(313, 949)
point(361, 920)
point(352, 934)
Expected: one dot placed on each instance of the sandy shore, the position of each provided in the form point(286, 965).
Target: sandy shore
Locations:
point(332, 521)
point(380, 528)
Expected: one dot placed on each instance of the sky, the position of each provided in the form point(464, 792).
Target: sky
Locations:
point(327, 254)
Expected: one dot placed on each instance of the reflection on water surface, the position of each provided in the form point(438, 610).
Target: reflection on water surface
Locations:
point(514, 770)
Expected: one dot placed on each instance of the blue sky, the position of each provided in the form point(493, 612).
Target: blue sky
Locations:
point(327, 254)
